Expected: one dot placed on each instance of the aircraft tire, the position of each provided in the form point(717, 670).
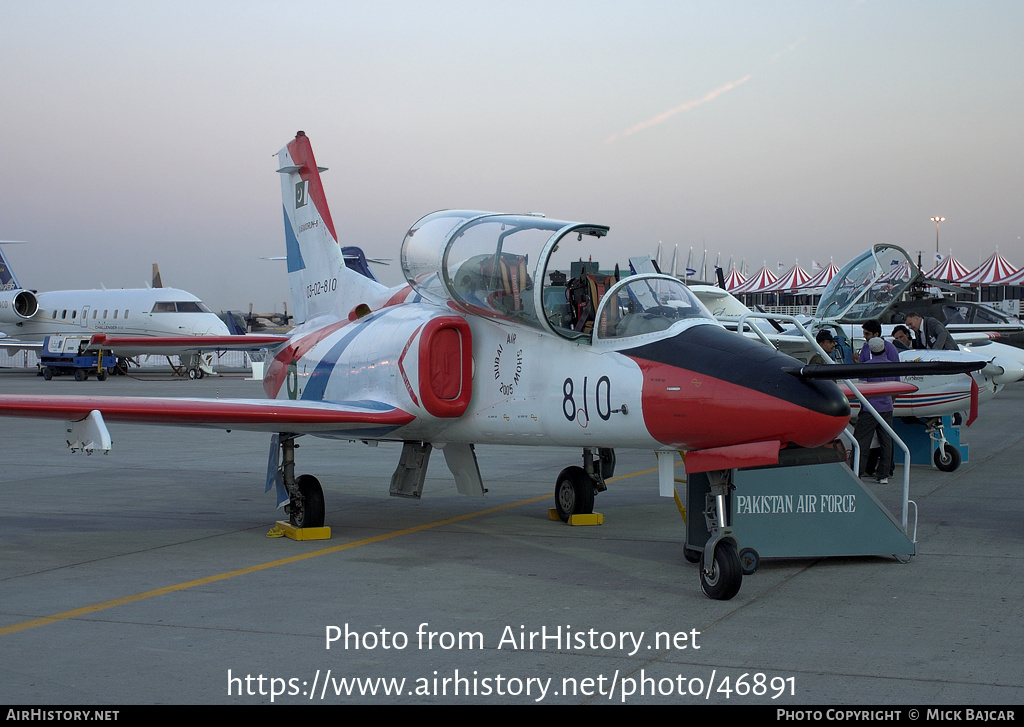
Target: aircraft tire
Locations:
point(947, 459)
point(574, 493)
point(723, 582)
point(192, 374)
point(310, 512)
point(691, 555)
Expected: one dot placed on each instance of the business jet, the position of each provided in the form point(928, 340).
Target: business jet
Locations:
point(27, 317)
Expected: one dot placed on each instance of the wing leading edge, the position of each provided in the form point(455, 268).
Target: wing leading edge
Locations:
point(171, 345)
point(369, 418)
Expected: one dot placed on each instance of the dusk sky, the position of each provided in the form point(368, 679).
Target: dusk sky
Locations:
point(764, 131)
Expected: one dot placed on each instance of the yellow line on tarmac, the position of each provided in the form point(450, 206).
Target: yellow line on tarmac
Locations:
point(85, 610)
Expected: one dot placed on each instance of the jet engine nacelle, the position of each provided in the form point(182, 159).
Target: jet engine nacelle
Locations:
point(17, 306)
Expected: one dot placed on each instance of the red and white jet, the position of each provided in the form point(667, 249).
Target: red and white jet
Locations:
point(492, 341)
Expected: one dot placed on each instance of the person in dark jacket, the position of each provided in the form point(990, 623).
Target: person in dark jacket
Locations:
point(930, 333)
point(901, 338)
point(827, 342)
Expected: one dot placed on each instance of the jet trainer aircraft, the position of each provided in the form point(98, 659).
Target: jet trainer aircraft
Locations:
point(488, 343)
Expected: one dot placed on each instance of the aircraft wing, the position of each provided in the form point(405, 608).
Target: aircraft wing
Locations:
point(176, 345)
point(966, 337)
point(13, 345)
point(878, 388)
point(352, 418)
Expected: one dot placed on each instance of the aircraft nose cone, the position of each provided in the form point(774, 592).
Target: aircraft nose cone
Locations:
point(1012, 370)
point(708, 387)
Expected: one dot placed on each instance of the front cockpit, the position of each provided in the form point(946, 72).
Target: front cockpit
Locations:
point(529, 269)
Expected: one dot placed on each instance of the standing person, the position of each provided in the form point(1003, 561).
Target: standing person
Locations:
point(930, 333)
point(876, 350)
point(827, 343)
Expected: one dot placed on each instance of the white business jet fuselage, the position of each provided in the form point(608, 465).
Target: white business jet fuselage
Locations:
point(135, 312)
point(29, 317)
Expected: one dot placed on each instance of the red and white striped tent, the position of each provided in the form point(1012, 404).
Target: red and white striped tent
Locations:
point(733, 279)
point(755, 283)
point(822, 278)
point(1016, 279)
point(949, 269)
point(898, 272)
point(794, 279)
point(990, 272)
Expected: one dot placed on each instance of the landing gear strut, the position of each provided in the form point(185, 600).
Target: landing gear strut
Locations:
point(721, 572)
point(945, 456)
point(576, 487)
point(305, 506)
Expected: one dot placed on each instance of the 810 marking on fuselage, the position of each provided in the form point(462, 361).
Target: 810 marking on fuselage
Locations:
point(602, 400)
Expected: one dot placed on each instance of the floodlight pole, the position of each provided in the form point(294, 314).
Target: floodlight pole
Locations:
point(937, 220)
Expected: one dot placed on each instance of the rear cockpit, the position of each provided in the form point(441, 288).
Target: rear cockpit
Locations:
point(529, 269)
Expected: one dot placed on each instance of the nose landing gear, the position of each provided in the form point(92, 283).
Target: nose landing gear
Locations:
point(721, 571)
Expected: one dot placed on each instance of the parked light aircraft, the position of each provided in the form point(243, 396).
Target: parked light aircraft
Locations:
point(861, 291)
point(483, 345)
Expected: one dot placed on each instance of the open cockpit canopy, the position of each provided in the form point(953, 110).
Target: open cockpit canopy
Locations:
point(520, 268)
point(867, 285)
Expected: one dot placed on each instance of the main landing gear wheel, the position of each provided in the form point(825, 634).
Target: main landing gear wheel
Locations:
point(308, 511)
point(574, 493)
point(947, 457)
point(723, 581)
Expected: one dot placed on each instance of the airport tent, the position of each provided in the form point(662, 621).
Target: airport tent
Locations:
point(949, 269)
point(733, 279)
point(898, 272)
point(822, 278)
point(757, 282)
point(990, 272)
point(793, 279)
point(1016, 279)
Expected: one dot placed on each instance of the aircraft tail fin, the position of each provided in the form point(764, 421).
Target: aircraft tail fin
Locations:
point(320, 281)
point(7, 279)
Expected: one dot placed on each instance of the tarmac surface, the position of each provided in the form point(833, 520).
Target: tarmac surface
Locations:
point(146, 576)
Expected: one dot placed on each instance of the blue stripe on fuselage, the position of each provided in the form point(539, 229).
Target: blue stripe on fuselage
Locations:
point(317, 384)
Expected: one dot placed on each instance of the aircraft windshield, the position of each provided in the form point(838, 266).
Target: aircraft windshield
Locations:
point(646, 304)
point(182, 306)
point(867, 285)
point(520, 268)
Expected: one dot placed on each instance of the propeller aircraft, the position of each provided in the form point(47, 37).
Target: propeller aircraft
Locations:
point(865, 289)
